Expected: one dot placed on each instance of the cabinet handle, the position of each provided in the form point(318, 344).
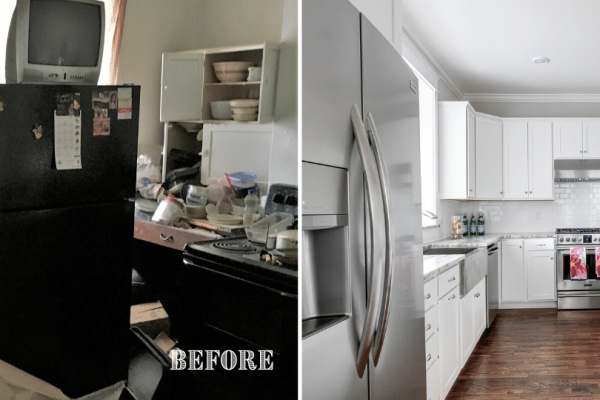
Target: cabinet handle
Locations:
point(526, 192)
point(453, 296)
point(581, 151)
point(501, 192)
point(166, 238)
point(428, 327)
point(519, 246)
point(428, 296)
point(428, 357)
point(530, 192)
point(477, 294)
point(540, 244)
point(451, 279)
point(470, 190)
point(552, 258)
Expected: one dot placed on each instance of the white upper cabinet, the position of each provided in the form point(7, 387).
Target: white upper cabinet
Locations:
point(189, 83)
point(488, 157)
point(568, 139)
point(541, 177)
point(457, 157)
point(516, 180)
point(591, 139)
point(528, 164)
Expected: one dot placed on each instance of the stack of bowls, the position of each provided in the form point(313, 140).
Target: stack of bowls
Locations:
point(232, 71)
point(244, 109)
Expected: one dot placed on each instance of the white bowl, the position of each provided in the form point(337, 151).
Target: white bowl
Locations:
point(245, 117)
point(248, 111)
point(220, 110)
point(243, 103)
point(232, 71)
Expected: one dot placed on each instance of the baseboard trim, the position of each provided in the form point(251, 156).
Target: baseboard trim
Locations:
point(529, 304)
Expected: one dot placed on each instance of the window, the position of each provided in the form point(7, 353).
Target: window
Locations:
point(115, 16)
point(428, 127)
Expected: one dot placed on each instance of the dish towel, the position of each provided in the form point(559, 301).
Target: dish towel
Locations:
point(597, 262)
point(578, 267)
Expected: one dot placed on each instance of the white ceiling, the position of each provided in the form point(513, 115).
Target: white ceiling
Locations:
point(486, 46)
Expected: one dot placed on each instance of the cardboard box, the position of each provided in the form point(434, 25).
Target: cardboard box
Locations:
point(151, 318)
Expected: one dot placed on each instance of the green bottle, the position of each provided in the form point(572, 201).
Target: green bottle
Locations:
point(473, 226)
point(480, 225)
point(465, 226)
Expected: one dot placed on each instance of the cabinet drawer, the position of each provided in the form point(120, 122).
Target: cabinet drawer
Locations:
point(448, 280)
point(431, 290)
point(163, 235)
point(539, 244)
point(431, 350)
point(431, 322)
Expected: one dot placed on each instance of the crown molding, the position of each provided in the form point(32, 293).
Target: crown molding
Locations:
point(531, 98)
point(409, 32)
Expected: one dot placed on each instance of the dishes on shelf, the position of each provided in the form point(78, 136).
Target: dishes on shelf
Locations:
point(244, 109)
point(221, 110)
point(232, 71)
point(254, 74)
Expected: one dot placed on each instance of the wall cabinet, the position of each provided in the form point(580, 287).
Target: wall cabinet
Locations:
point(386, 15)
point(189, 83)
point(527, 160)
point(528, 273)
point(473, 319)
point(576, 139)
point(488, 157)
point(457, 150)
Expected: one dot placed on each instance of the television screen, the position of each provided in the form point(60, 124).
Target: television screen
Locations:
point(72, 38)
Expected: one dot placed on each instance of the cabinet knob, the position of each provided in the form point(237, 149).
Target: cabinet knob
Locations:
point(526, 192)
point(530, 192)
point(477, 294)
point(453, 296)
point(519, 246)
point(428, 327)
point(581, 151)
point(452, 279)
point(166, 238)
point(428, 357)
point(428, 296)
point(501, 192)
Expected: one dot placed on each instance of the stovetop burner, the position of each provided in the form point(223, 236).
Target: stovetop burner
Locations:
point(237, 247)
point(577, 230)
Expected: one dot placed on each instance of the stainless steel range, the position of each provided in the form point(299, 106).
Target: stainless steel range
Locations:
point(577, 294)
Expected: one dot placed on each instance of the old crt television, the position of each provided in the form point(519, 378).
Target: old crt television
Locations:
point(55, 41)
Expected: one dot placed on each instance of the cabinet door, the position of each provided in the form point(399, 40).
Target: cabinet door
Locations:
point(181, 86)
point(479, 311)
point(449, 341)
point(488, 154)
point(541, 179)
point(568, 139)
point(433, 384)
point(467, 338)
point(471, 183)
point(541, 275)
point(512, 280)
point(591, 139)
point(515, 164)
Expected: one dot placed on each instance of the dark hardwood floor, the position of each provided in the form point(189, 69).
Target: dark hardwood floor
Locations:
point(534, 354)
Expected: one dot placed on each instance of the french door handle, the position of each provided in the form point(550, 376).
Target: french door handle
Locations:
point(378, 254)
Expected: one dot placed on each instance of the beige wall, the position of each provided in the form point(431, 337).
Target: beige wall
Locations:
point(156, 26)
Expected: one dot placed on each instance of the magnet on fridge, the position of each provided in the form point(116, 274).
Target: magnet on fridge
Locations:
point(37, 131)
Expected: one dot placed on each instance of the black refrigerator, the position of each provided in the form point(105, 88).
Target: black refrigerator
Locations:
point(66, 234)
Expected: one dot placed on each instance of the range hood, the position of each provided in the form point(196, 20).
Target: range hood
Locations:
point(576, 170)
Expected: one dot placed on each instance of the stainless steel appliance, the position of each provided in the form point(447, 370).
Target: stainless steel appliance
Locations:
point(577, 294)
point(363, 308)
point(493, 288)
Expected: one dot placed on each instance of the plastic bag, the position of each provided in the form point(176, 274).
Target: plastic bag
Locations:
point(147, 173)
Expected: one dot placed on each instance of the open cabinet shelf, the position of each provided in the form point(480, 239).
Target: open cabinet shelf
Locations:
point(189, 83)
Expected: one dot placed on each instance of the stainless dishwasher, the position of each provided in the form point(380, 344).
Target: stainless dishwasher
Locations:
point(493, 291)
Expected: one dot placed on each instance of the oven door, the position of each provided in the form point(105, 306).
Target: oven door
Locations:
point(563, 271)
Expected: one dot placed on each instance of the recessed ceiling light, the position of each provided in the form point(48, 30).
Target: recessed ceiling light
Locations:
point(540, 60)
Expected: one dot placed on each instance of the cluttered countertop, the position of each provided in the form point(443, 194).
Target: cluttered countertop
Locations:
point(433, 265)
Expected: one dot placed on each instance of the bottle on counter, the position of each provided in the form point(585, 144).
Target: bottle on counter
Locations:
point(473, 226)
point(251, 207)
point(465, 226)
point(480, 225)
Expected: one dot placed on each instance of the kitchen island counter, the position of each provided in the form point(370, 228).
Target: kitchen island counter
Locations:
point(486, 240)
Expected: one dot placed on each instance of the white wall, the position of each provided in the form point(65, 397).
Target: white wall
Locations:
point(445, 93)
point(284, 153)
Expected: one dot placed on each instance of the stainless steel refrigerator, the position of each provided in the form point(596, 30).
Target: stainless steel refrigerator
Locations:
point(363, 311)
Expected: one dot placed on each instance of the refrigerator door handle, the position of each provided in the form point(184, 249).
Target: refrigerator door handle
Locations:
point(389, 237)
point(374, 197)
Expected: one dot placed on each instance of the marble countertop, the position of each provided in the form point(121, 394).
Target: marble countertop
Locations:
point(435, 265)
point(486, 240)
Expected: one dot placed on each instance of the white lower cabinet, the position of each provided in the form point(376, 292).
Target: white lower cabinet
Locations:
point(433, 376)
point(528, 273)
point(473, 319)
point(449, 340)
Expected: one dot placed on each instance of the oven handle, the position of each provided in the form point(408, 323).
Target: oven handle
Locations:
point(579, 295)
